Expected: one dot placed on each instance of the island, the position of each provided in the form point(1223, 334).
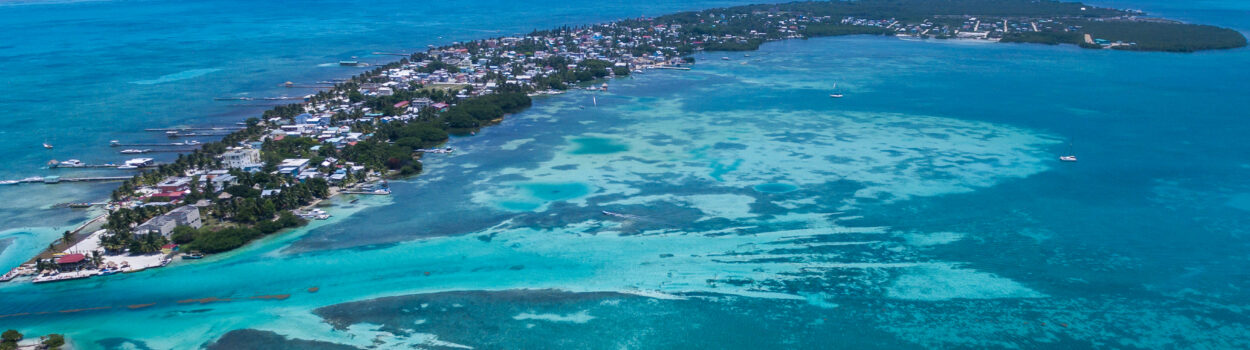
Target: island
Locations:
point(269, 173)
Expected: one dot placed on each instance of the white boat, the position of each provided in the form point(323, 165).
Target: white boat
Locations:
point(9, 182)
point(726, 58)
point(46, 145)
point(72, 163)
point(1070, 157)
point(836, 93)
point(135, 151)
point(139, 162)
point(127, 167)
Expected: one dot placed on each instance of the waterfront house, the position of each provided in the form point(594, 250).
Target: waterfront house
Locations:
point(164, 224)
point(71, 262)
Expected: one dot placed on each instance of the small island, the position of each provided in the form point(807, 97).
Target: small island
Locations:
point(269, 173)
point(14, 340)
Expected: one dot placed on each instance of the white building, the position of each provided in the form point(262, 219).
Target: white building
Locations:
point(241, 158)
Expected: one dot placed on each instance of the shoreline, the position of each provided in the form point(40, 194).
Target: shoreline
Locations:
point(667, 62)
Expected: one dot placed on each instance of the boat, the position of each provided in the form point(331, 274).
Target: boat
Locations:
point(9, 182)
point(115, 143)
point(1070, 157)
point(726, 58)
point(127, 166)
point(72, 163)
point(137, 163)
point(836, 93)
point(193, 255)
point(135, 151)
point(46, 145)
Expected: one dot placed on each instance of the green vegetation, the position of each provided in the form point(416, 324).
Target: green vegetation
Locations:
point(9, 339)
point(210, 240)
point(922, 9)
point(834, 29)
point(1048, 38)
point(54, 341)
point(1159, 36)
point(1062, 23)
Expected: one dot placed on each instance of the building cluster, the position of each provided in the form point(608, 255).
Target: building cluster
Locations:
point(971, 27)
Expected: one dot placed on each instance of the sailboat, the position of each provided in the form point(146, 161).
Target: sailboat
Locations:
point(836, 93)
point(1070, 157)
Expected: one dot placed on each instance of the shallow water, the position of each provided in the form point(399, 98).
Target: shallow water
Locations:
point(925, 209)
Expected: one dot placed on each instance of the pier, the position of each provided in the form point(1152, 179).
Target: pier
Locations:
point(175, 150)
point(140, 144)
point(57, 179)
point(91, 166)
point(668, 67)
point(221, 128)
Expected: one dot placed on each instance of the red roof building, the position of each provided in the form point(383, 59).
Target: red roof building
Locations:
point(71, 259)
point(401, 104)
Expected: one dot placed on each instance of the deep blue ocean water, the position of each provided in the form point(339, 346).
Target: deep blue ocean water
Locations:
point(925, 209)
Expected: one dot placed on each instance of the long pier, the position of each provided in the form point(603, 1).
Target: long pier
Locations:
point(176, 150)
point(278, 98)
point(55, 180)
point(171, 144)
point(223, 128)
point(198, 134)
point(90, 166)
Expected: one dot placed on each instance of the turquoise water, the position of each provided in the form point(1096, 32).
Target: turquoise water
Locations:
point(597, 145)
point(925, 209)
point(82, 73)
